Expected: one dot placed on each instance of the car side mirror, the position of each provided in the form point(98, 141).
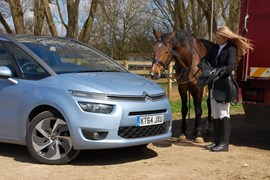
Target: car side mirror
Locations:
point(5, 72)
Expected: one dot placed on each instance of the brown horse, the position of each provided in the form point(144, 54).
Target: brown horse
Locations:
point(187, 51)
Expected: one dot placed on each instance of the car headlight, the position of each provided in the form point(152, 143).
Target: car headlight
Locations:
point(88, 95)
point(96, 107)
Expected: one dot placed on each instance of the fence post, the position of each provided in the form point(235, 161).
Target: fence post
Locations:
point(169, 88)
point(126, 64)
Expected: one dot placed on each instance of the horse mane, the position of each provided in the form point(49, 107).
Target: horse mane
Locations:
point(207, 44)
point(164, 38)
point(185, 39)
point(184, 36)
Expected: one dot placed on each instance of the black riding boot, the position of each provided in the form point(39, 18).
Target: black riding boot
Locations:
point(225, 136)
point(217, 126)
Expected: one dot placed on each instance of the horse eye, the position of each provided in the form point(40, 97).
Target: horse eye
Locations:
point(166, 51)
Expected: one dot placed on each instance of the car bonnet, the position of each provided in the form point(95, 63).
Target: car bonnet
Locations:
point(115, 83)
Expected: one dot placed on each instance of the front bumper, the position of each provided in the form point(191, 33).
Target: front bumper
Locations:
point(119, 128)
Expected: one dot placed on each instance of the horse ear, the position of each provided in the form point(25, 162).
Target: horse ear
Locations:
point(171, 37)
point(157, 34)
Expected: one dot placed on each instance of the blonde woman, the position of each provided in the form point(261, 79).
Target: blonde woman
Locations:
point(224, 57)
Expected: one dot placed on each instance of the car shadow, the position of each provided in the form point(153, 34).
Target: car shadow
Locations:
point(16, 152)
point(113, 156)
point(243, 133)
point(87, 157)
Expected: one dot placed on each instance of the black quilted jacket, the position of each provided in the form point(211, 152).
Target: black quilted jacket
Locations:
point(227, 61)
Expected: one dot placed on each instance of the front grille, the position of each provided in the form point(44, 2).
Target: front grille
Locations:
point(136, 113)
point(143, 97)
point(143, 131)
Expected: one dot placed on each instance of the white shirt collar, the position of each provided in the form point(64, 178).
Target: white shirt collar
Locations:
point(221, 47)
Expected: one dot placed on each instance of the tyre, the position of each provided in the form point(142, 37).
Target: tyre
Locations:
point(48, 139)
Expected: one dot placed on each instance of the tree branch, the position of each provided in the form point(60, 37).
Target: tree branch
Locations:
point(5, 24)
point(60, 14)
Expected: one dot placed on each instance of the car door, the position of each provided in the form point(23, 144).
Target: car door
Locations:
point(9, 100)
point(16, 98)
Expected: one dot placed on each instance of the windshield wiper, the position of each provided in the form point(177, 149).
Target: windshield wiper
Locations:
point(99, 71)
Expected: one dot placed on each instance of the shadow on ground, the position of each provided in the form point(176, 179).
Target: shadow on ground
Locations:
point(87, 157)
point(243, 133)
point(255, 135)
point(114, 156)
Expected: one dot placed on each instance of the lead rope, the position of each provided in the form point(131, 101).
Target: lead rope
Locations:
point(189, 105)
point(180, 83)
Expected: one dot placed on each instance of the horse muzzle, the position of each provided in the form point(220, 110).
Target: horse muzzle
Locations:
point(154, 75)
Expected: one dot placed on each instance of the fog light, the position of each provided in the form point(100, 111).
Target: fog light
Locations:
point(94, 135)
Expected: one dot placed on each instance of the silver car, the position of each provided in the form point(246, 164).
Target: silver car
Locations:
point(59, 96)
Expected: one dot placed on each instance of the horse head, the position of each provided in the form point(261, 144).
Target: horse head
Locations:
point(163, 53)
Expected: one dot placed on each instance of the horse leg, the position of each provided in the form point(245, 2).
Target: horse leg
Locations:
point(184, 111)
point(198, 129)
point(209, 118)
point(197, 98)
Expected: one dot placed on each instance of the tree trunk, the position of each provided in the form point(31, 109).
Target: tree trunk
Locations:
point(177, 16)
point(5, 24)
point(60, 15)
point(206, 7)
point(87, 27)
point(17, 15)
point(73, 13)
point(234, 14)
point(39, 16)
point(49, 18)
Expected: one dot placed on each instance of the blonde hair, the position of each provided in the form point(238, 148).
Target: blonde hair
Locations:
point(243, 44)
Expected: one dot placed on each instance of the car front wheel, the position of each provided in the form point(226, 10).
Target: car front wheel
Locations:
point(48, 139)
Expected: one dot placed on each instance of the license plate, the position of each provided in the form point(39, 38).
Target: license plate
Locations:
point(149, 120)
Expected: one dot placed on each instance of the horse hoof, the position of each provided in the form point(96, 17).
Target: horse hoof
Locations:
point(182, 138)
point(199, 140)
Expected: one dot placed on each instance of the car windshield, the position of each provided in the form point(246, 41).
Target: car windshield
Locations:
point(69, 56)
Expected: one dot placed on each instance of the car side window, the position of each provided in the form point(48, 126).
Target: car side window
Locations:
point(5, 60)
point(28, 67)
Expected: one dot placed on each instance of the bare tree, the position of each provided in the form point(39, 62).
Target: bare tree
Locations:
point(42, 9)
point(73, 28)
point(116, 27)
point(49, 18)
point(195, 15)
point(4, 14)
point(5, 24)
point(181, 15)
point(73, 13)
point(17, 15)
point(163, 10)
point(88, 25)
point(233, 9)
point(126, 23)
point(39, 13)
point(206, 7)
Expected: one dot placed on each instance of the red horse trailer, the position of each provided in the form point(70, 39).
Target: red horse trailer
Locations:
point(253, 73)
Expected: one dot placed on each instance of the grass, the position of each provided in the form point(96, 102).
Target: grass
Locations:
point(176, 108)
point(176, 104)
